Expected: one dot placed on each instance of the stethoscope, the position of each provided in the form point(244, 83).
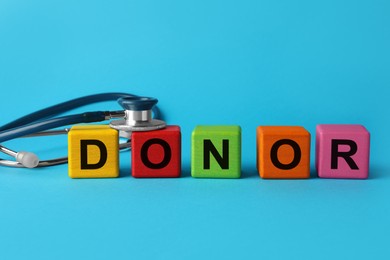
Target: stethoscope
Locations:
point(138, 114)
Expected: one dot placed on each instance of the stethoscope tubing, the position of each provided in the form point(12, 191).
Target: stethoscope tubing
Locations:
point(47, 124)
point(62, 108)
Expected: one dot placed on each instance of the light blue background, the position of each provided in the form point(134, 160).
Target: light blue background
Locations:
point(247, 63)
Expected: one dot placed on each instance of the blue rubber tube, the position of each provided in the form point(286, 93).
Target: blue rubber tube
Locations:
point(64, 107)
point(47, 124)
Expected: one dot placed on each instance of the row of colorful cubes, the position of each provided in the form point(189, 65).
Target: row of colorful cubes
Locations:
point(283, 152)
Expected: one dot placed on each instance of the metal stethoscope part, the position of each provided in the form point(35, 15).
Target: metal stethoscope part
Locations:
point(136, 116)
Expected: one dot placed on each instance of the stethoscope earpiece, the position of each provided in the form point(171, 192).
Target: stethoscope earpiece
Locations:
point(138, 115)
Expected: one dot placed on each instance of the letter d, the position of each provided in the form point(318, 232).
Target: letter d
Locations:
point(84, 154)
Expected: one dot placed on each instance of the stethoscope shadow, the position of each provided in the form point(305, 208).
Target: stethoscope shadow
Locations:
point(125, 172)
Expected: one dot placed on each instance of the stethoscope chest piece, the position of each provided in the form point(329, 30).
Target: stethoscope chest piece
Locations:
point(138, 115)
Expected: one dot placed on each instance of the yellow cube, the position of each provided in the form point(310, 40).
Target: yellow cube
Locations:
point(93, 152)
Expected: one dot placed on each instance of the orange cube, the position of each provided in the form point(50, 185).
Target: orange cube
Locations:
point(283, 152)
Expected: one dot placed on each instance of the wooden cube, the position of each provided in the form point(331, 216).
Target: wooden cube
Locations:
point(156, 154)
point(216, 152)
point(93, 152)
point(342, 151)
point(283, 152)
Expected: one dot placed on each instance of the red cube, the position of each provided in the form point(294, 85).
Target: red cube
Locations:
point(156, 154)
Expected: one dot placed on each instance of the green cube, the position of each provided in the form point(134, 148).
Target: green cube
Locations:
point(216, 152)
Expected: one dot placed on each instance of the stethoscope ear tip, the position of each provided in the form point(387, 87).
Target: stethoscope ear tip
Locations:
point(27, 159)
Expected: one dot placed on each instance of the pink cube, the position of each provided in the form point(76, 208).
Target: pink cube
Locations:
point(342, 151)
